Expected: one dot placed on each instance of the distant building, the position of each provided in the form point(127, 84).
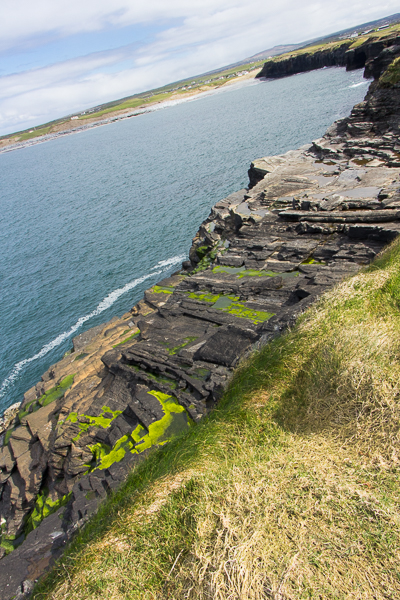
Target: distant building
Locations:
point(74, 118)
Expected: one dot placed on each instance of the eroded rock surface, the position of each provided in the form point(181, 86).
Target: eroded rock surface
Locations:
point(352, 54)
point(312, 217)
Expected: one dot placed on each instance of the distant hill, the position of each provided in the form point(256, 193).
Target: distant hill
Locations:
point(201, 82)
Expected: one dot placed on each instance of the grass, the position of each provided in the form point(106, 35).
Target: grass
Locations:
point(376, 35)
point(373, 36)
point(28, 135)
point(132, 103)
point(392, 74)
point(161, 96)
point(288, 490)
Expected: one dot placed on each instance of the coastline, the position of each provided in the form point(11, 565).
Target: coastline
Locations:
point(309, 218)
point(119, 115)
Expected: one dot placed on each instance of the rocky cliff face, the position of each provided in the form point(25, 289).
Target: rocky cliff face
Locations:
point(311, 217)
point(347, 55)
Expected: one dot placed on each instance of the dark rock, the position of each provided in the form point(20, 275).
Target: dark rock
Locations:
point(226, 346)
point(258, 268)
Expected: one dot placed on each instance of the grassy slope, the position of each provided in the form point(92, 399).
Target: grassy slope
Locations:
point(164, 93)
point(373, 36)
point(289, 490)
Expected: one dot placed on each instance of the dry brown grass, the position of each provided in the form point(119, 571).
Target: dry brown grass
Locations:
point(307, 523)
point(290, 491)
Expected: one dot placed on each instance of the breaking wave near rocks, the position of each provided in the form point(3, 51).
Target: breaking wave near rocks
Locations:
point(107, 302)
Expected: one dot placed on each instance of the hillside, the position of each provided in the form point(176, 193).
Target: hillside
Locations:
point(206, 82)
point(288, 490)
point(269, 364)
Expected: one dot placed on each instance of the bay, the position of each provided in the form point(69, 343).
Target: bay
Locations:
point(90, 220)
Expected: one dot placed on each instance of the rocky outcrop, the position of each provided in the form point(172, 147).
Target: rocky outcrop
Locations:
point(311, 217)
point(349, 54)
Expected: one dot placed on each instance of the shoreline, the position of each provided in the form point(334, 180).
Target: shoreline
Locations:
point(118, 115)
point(308, 219)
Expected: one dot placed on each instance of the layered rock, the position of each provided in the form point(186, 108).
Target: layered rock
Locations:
point(350, 54)
point(310, 218)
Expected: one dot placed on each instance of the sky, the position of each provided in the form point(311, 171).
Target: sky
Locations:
point(61, 57)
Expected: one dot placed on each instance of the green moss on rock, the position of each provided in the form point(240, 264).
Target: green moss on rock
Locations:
point(86, 421)
point(239, 309)
point(204, 297)
point(175, 349)
point(243, 272)
point(174, 421)
point(81, 355)
point(50, 396)
point(44, 506)
point(159, 289)
point(128, 339)
point(158, 378)
point(201, 251)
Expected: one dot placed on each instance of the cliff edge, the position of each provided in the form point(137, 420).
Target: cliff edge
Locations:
point(310, 218)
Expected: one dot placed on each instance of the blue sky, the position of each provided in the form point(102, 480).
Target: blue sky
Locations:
point(60, 57)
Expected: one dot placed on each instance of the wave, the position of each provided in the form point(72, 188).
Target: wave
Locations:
point(169, 262)
point(158, 269)
point(358, 84)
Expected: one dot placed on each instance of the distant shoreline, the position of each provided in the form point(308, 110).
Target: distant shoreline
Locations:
point(8, 145)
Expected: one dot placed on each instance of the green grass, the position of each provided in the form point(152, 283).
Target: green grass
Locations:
point(392, 74)
point(159, 95)
point(352, 44)
point(133, 103)
point(32, 134)
point(375, 35)
point(289, 489)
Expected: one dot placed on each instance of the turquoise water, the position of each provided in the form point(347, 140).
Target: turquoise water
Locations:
point(91, 220)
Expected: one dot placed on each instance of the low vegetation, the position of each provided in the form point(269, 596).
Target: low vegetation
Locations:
point(359, 41)
point(197, 84)
point(29, 135)
point(392, 74)
point(289, 489)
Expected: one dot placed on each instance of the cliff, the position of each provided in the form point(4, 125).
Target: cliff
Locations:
point(349, 53)
point(311, 217)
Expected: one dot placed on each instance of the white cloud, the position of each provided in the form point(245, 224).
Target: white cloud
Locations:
point(23, 19)
point(210, 34)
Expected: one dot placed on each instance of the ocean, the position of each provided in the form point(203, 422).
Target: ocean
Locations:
point(90, 220)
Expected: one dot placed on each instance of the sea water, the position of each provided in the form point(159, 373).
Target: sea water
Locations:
point(90, 220)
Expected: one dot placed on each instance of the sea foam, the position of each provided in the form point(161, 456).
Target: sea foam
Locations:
point(158, 269)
